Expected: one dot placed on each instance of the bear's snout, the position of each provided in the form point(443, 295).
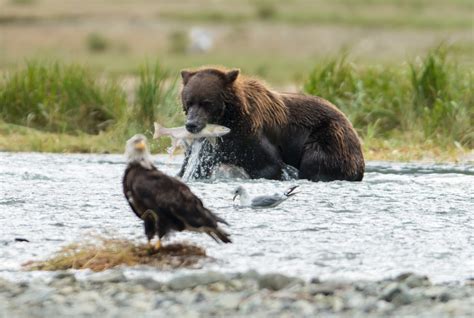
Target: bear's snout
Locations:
point(197, 119)
point(194, 127)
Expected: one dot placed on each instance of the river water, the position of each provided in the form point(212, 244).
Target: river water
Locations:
point(402, 217)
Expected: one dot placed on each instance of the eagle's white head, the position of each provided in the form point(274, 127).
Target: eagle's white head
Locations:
point(136, 150)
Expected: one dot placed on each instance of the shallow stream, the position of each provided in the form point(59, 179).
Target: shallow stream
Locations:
point(402, 217)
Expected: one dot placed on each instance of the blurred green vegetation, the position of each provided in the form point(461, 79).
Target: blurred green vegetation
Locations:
point(22, 2)
point(279, 40)
point(431, 98)
point(358, 13)
point(97, 42)
point(156, 97)
point(58, 107)
point(59, 98)
point(422, 104)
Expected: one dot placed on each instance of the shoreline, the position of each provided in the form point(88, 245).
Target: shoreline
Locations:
point(14, 138)
point(111, 293)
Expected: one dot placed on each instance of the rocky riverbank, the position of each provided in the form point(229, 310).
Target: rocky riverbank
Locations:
point(112, 294)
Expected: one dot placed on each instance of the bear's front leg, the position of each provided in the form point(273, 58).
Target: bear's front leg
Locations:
point(266, 161)
point(269, 171)
point(184, 165)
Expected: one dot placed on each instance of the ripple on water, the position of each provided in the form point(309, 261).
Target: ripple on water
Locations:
point(401, 217)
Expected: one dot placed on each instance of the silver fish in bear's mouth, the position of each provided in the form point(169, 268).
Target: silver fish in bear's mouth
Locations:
point(181, 137)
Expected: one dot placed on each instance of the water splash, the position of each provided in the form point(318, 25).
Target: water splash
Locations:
point(193, 160)
point(289, 173)
point(380, 227)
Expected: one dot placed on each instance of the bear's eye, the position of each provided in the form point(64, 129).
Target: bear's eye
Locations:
point(205, 103)
point(188, 105)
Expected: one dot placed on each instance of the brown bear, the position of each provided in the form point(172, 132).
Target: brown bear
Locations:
point(269, 130)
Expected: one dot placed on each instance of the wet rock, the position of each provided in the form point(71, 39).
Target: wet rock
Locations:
point(66, 290)
point(215, 295)
point(64, 274)
point(357, 300)
point(229, 300)
point(236, 284)
point(193, 280)
point(437, 293)
point(148, 283)
point(217, 287)
point(186, 314)
point(337, 304)
point(432, 292)
point(277, 281)
point(413, 280)
point(303, 307)
point(367, 288)
point(35, 295)
point(315, 280)
point(444, 297)
point(187, 297)
point(397, 294)
point(249, 275)
point(327, 288)
point(382, 306)
point(58, 299)
point(140, 304)
point(250, 305)
point(110, 276)
point(200, 297)
point(10, 288)
point(63, 280)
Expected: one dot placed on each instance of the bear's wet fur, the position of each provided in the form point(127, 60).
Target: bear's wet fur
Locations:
point(269, 130)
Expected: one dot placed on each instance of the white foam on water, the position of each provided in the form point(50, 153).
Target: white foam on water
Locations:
point(401, 217)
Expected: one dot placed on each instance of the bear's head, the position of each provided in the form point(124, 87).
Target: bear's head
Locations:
point(204, 96)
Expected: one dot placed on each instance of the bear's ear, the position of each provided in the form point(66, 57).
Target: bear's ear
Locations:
point(231, 76)
point(186, 75)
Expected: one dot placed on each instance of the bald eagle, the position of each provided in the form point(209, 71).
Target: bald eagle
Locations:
point(164, 203)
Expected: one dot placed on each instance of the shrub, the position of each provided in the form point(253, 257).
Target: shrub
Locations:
point(155, 98)
point(59, 98)
point(178, 42)
point(265, 9)
point(97, 42)
point(432, 96)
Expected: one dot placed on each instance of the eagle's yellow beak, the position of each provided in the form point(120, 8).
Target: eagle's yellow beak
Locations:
point(140, 146)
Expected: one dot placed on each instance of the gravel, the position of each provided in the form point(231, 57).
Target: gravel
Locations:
point(213, 294)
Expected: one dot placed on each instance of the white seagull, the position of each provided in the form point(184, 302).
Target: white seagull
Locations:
point(263, 201)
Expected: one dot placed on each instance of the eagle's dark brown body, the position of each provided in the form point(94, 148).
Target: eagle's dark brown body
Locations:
point(175, 206)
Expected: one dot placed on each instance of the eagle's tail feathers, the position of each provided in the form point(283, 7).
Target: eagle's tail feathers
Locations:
point(220, 234)
point(221, 220)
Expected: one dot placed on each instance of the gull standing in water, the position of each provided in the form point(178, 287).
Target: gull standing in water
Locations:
point(263, 201)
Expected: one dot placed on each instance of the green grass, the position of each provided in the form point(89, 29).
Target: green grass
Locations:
point(430, 98)
point(156, 96)
point(401, 111)
point(62, 108)
point(59, 98)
